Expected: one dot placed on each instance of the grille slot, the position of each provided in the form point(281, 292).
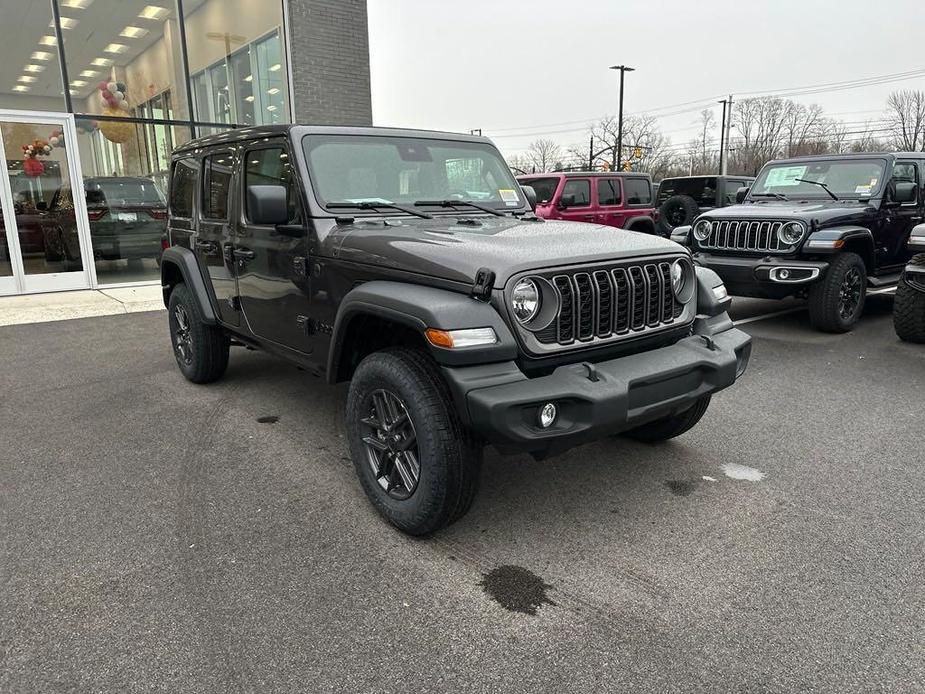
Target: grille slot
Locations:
point(612, 302)
point(743, 235)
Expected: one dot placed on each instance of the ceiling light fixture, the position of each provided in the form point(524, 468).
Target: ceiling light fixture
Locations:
point(66, 23)
point(249, 98)
point(271, 107)
point(89, 73)
point(131, 32)
point(101, 62)
point(28, 79)
point(76, 4)
point(48, 41)
point(41, 55)
point(275, 67)
point(33, 68)
point(153, 12)
point(115, 48)
point(273, 90)
point(21, 88)
point(249, 78)
point(78, 83)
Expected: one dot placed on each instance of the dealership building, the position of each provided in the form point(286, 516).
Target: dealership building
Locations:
point(95, 94)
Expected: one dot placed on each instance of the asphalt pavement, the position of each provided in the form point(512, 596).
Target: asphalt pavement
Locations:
point(161, 536)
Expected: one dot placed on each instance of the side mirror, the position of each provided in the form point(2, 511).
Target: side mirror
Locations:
point(917, 238)
point(566, 201)
point(741, 194)
point(904, 192)
point(530, 194)
point(267, 205)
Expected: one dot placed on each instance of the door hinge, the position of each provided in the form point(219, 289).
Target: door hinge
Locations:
point(299, 265)
point(484, 281)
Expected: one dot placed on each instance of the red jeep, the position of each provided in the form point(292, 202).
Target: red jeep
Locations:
point(619, 199)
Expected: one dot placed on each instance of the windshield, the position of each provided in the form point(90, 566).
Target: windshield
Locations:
point(545, 187)
point(406, 170)
point(846, 178)
point(703, 190)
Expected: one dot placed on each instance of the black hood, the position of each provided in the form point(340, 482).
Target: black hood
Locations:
point(442, 247)
point(823, 212)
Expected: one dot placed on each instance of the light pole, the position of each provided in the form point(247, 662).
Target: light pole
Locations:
point(623, 69)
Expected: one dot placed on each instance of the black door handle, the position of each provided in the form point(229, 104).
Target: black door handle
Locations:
point(244, 253)
point(205, 246)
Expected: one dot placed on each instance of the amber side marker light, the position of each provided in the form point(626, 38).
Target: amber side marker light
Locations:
point(458, 339)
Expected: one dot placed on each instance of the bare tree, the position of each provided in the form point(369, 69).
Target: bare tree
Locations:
point(519, 164)
point(905, 114)
point(544, 155)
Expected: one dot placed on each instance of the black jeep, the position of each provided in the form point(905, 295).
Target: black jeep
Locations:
point(823, 227)
point(410, 264)
point(909, 306)
point(682, 199)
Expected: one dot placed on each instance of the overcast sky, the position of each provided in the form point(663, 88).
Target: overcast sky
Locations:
point(523, 70)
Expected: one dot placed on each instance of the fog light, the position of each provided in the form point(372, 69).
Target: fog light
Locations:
point(783, 273)
point(547, 415)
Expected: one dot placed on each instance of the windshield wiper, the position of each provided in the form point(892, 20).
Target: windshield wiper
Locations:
point(369, 205)
point(779, 196)
point(820, 184)
point(461, 203)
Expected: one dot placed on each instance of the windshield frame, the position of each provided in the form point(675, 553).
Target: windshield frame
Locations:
point(313, 175)
point(821, 194)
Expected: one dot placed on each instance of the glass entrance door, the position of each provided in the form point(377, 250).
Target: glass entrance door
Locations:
point(44, 240)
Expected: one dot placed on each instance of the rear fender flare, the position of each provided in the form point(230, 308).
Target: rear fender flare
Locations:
point(178, 259)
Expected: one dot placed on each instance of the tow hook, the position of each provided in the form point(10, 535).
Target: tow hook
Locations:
point(711, 345)
point(592, 371)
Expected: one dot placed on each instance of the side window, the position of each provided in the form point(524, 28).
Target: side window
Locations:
point(581, 189)
point(216, 185)
point(638, 191)
point(732, 187)
point(183, 187)
point(608, 191)
point(270, 166)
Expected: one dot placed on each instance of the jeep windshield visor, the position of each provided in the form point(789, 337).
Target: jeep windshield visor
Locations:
point(849, 178)
point(383, 173)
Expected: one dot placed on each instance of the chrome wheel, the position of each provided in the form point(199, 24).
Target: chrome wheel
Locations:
point(391, 444)
point(182, 335)
point(849, 294)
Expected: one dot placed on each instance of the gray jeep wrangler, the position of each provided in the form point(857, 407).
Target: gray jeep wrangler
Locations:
point(411, 264)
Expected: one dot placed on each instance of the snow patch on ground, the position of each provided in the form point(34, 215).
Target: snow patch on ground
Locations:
point(742, 472)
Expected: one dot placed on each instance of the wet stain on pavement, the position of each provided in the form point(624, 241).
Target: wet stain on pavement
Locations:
point(269, 419)
point(516, 589)
point(681, 487)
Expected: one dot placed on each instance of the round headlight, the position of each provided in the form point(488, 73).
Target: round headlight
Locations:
point(791, 233)
point(525, 300)
point(677, 278)
point(702, 230)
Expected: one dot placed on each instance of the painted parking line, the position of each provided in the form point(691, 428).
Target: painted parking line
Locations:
point(795, 309)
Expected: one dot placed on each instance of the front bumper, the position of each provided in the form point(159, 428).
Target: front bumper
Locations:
point(502, 404)
point(762, 277)
point(914, 274)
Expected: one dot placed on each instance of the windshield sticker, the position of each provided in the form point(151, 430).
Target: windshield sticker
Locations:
point(863, 190)
point(509, 196)
point(785, 176)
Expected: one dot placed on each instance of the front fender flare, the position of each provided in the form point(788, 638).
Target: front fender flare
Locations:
point(831, 240)
point(420, 307)
point(183, 260)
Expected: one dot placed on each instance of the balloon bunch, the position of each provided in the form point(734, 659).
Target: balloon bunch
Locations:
point(31, 166)
point(113, 95)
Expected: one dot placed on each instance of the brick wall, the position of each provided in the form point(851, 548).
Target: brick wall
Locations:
point(330, 61)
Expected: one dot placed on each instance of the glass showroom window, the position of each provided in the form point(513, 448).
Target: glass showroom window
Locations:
point(31, 73)
point(124, 56)
point(125, 168)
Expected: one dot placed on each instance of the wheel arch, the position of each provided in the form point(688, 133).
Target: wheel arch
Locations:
point(178, 265)
point(850, 239)
point(385, 313)
point(641, 223)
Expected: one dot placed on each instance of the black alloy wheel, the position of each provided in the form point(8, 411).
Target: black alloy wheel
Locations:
point(391, 444)
point(849, 295)
point(182, 335)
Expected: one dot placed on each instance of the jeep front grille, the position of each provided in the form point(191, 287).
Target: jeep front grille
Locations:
point(611, 302)
point(743, 235)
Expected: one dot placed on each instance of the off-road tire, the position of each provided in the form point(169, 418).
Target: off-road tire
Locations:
point(824, 295)
point(909, 310)
point(684, 203)
point(209, 346)
point(450, 456)
point(669, 427)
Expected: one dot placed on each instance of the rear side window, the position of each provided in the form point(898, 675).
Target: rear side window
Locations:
point(271, 167)
point(545, 188)
point(608, 191)
point(638, 191)
point(581, 189)
point(217, 185)
point(183, 188)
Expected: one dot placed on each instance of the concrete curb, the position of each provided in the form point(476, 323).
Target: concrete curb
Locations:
point(42, 308)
